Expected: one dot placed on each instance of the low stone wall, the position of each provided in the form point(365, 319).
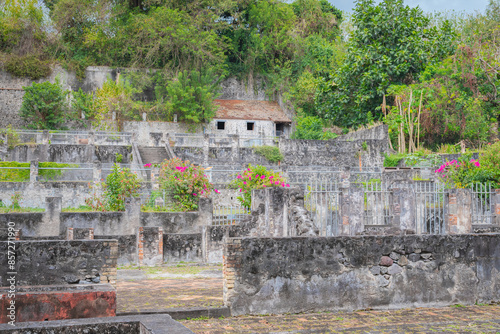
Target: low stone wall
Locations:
point(75, 154)
point(56, 302)
point(44, 262)
point(135, 324)
point(292, 275)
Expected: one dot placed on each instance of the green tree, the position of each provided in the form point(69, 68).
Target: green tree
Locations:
point(391, 44)
point(192, 95)
point(44, 105)
point(311, 128)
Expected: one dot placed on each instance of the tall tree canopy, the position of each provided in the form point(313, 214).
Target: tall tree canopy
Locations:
point(391, 44)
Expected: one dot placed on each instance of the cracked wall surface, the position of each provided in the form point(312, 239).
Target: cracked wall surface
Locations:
point(291, 275)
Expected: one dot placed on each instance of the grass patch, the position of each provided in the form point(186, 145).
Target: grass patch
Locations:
point(13, 171)
point(81, 208)
point(393, 160)
point(6, 209)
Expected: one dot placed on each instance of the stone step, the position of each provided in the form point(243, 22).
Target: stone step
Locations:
point(153, 155)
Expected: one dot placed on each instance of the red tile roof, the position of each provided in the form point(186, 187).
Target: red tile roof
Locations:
point(251, 110)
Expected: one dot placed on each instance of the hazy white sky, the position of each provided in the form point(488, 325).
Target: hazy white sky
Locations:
point(428, 5)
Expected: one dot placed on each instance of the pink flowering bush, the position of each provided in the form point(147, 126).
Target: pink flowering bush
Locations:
point(463, 173)
point(186, 183)
point(256, 177)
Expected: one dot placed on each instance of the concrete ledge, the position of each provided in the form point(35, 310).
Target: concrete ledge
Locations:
point(186, 313)
point(143, 324)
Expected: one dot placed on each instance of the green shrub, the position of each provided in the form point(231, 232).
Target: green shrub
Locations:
point(44, 105)
point(28, 66)
point(256, 177)
point(271, 153)
point(311, 128)
point(12, 136)
point(393, 160)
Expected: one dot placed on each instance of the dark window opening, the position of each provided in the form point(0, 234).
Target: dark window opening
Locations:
point(280, 129)
point(221, 125)
point(250, 126)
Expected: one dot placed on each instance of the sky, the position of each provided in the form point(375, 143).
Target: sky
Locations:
point(469, 6)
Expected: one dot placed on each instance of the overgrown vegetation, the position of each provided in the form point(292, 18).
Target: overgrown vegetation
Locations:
point(433, 78)
point(256, 177)
point(44, 106)
point(120, 184)
point(271, 153)
point(185, 182)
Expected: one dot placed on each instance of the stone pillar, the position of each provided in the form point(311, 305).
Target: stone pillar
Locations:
point(45, 137)
point(97, 172)
point(51, 221)
point(404, 206)
point(69, 233)
point(352, 206)
point(140, 245)
point(33, 171)
point(497, 206)
point(205, 213)
point(459, 211)
point(235, 147)
point(206, 148)
point(91, 138)
point(131, 216)
point(155, 175)
point(4, 145)
point(149, 246)
point(231, 260)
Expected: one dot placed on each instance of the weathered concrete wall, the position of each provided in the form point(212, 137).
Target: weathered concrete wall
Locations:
point(135, 324)
point(74, 154)
point(61, 262)
point(379, 132)
point(333, 153)
point(12, 92)
point(143, 129)
point(234, 89)
point(127, 248)
point(291, 275)
point(34, 193)
point(185, 247)
point(171, 222)
point(239, 127)
point(56, 302)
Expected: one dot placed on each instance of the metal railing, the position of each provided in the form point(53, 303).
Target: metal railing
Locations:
point(74, 137)
point(483, 207)
point(322, 200)
point(377, 204)
point(229, 215)
point(430, 207)
point(71, 172)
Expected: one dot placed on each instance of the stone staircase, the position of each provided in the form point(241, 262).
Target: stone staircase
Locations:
point(153, 155)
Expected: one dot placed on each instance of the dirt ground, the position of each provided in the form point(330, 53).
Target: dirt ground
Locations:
point(188, 285)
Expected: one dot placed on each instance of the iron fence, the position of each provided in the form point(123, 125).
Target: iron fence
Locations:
point(483, 207)
point(229, 215)
point(430, 207)
point(377, 201)
point(322, 200)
